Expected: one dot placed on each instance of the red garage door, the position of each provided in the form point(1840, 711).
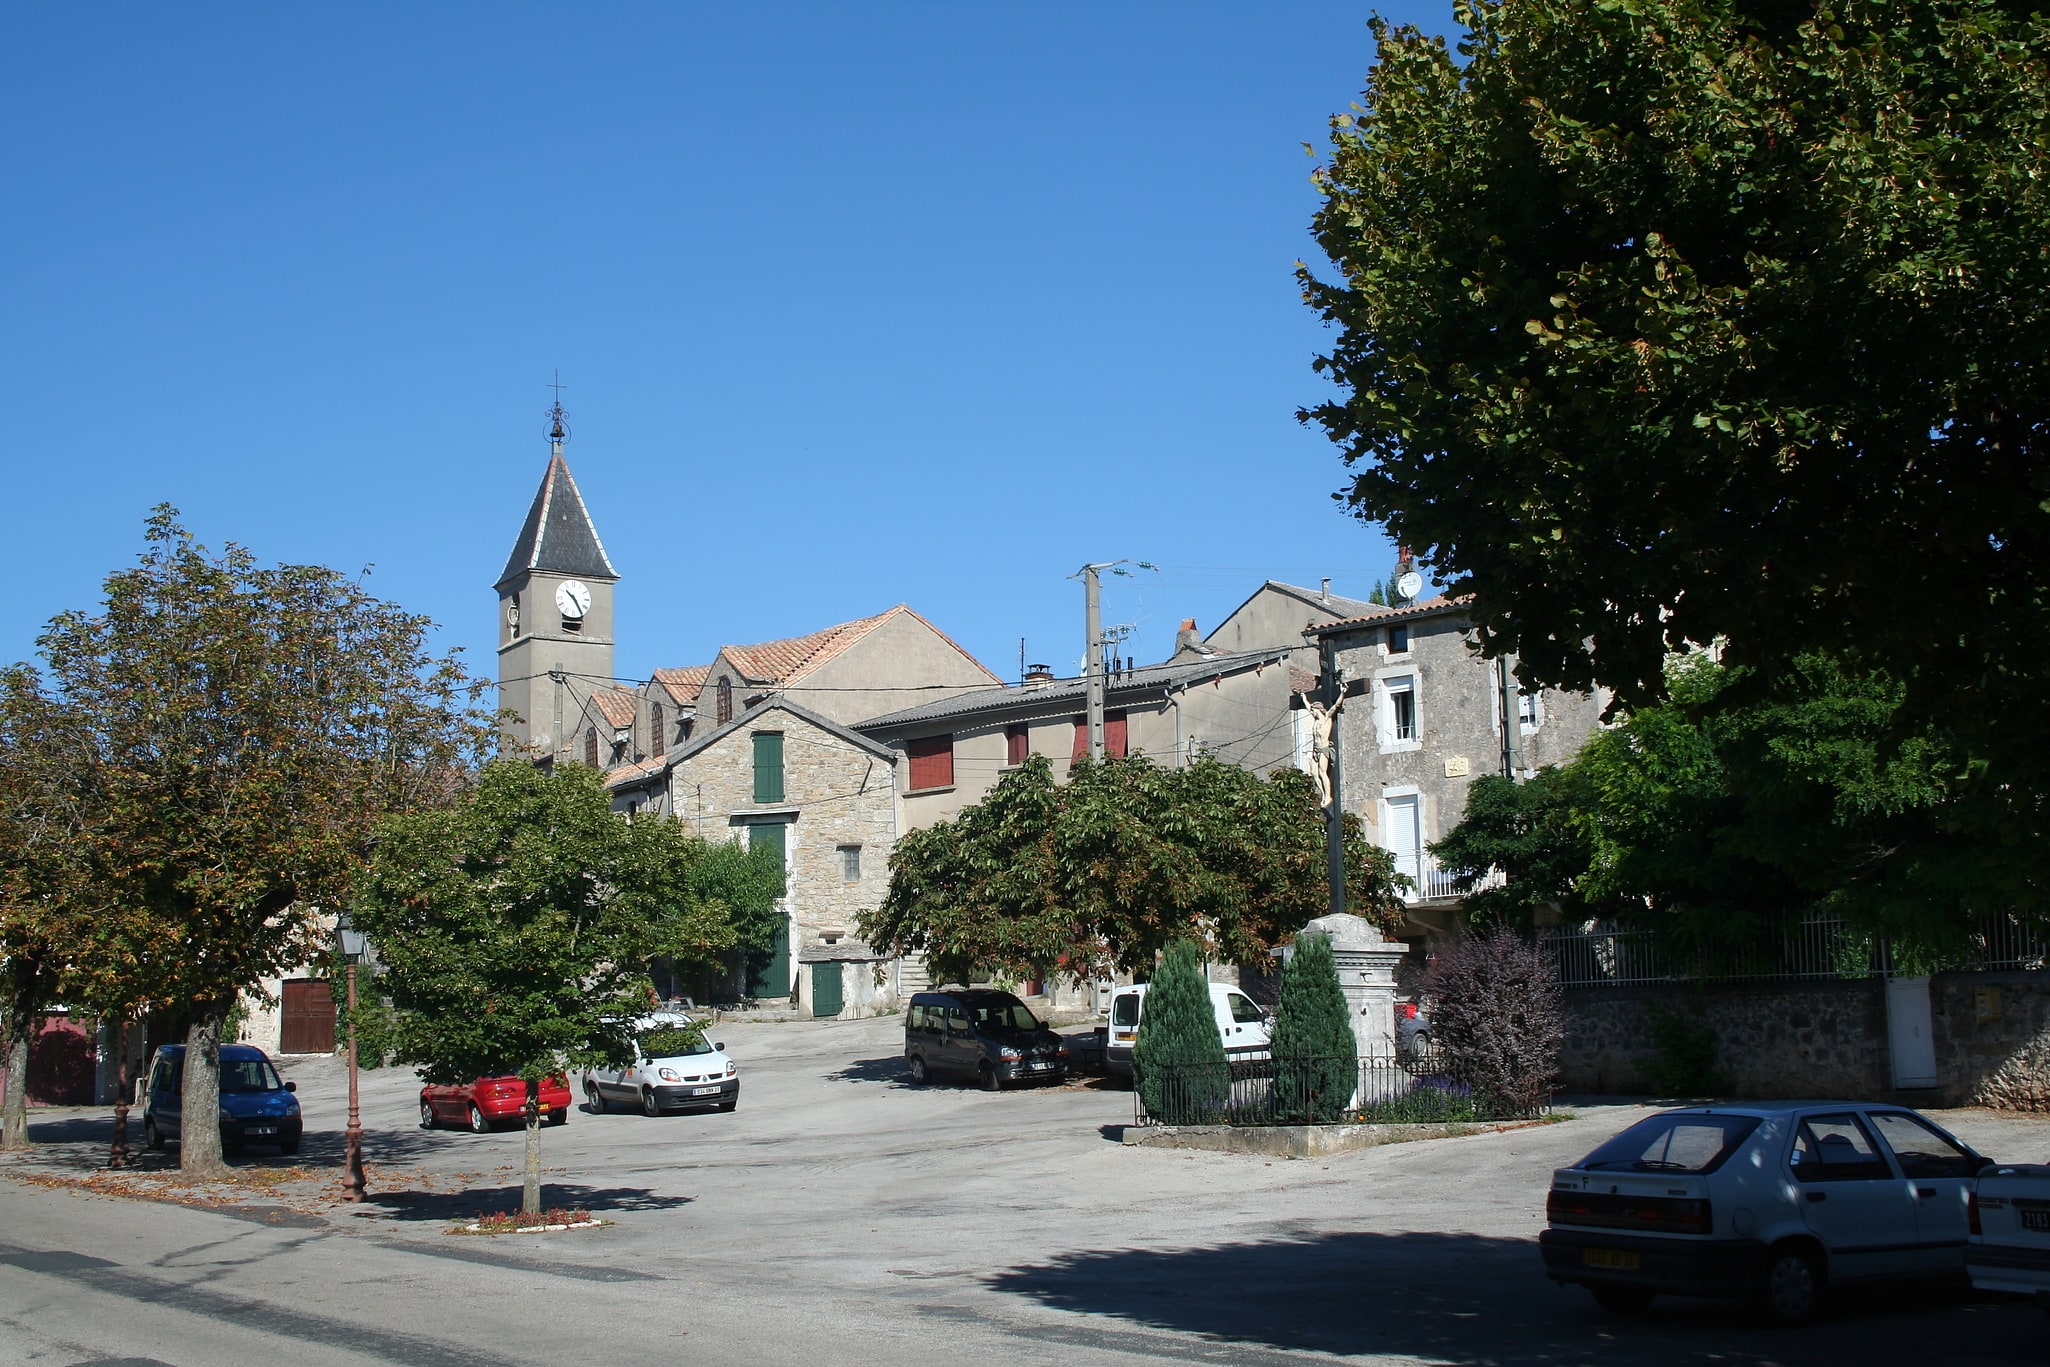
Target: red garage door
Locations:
point(309, 1017)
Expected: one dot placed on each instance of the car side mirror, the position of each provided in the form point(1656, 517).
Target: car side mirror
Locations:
point(720, 1046)
point(291, 1086)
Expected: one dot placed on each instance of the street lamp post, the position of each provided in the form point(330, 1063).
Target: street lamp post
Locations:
point(353, 946)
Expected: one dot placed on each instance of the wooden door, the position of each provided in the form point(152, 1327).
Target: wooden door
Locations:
point(825, 990)
point(308, 1017)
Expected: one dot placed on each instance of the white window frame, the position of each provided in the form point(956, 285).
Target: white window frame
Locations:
point(1386, 687)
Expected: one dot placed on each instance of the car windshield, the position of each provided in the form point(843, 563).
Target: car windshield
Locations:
point(249, 1075)
point(673, 1042)
point(1674, 1143)
point(1012, 1015)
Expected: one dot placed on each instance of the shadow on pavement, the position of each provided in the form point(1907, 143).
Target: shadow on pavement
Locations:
point(451, 1205)
point(1471, 1299)
point(888, 1070)
point(80, 1142)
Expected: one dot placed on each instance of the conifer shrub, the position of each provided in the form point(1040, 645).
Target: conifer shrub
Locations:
point(1178, 1062)
point(1497, 1019)
point(1316, 1059)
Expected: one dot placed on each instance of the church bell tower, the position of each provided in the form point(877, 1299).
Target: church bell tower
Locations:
point(554, 614)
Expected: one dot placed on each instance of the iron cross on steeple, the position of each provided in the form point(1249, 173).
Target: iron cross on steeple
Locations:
point(558, 431)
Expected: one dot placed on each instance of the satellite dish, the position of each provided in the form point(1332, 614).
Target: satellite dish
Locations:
point(1409, 586)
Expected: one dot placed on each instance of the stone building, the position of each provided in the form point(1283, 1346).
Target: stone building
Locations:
point(822, 796)
point(1423, 719)
point(953, 749)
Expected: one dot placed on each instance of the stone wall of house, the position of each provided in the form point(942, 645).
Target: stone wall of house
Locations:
point(1825, 1039)
point(835, 795)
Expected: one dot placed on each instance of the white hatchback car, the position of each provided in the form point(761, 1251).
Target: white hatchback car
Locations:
point(1767, 1203)
point(665, 1077)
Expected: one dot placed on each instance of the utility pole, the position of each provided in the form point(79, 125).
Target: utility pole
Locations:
point(1512, 757)
point(555, 741)
point(1092, 598)
point(1331, 688)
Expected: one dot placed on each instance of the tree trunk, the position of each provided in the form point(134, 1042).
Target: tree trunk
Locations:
point(117, 1155)
point(24, 978)
point(530, 1198)
point(199, 1120)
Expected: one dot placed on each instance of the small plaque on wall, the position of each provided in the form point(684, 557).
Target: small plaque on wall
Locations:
point(1455, 767)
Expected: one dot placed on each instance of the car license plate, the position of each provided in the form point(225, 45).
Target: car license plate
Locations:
point(1616, 1258)
point(262, 1129)
point(2036, 1219)
point(704, 1091)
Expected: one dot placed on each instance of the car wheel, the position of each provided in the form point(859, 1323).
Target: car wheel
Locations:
point(479, 1122)
point(920, 1074)
point(559, 1116)
point(150, 1138)
point(594, 1100)
point(987, 1077)
point(426, 1115)
point(650, 1106)
point(1789, 1286)
point(1623, 1300)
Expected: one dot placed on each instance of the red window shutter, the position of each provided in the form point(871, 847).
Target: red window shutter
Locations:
point(1017, 742)
point(932, 762)
point(656, 740)
point(1113, 736)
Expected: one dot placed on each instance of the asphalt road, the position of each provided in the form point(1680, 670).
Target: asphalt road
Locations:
point(842, 1216)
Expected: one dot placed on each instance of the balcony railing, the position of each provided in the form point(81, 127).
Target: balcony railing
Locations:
point(1429, 883)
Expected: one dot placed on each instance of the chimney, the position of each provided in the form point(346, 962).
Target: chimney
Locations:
point(1038, 676)
point(1327, 589)
point(1187, 638)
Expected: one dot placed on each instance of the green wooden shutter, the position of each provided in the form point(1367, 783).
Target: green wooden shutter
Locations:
point(768, 766)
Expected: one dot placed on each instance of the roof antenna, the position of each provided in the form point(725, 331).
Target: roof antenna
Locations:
point(558, 430)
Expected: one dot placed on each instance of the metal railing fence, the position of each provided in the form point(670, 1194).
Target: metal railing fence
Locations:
point(1804, 948)
point(1419, 1086)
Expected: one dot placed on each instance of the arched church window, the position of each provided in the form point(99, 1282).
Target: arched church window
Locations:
point(655, 736)
point(591, 747)
point(725, 701)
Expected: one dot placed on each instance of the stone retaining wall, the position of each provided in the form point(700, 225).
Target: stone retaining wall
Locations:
point(1824, 1039)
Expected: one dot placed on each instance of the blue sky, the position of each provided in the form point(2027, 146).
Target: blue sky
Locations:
point(855, 304)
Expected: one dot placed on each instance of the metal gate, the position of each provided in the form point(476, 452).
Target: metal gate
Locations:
point(307, 1017)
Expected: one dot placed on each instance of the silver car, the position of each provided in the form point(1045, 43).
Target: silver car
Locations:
point(1768, 1203)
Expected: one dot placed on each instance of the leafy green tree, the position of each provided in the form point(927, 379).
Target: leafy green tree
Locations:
point(513, 931)
point(747, 882)
point(1178, 1063)
point(237, 730)
point(1534, 834)
point(1106, 870)
point(1316, 1058)
point(1676, 321)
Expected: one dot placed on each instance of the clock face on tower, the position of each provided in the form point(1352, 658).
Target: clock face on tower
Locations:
point(574, 599)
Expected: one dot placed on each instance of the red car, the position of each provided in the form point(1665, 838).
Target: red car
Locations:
point(489, 1102)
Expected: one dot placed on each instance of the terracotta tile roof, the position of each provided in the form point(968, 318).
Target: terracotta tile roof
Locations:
point(1423, 608)
point(616, 705)
point(683, 685)
point(784, 662)
point(638, 769)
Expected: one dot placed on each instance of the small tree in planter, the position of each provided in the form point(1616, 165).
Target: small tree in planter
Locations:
point(1495, 1012)
point(1316, 1062)
point(1178, 1063)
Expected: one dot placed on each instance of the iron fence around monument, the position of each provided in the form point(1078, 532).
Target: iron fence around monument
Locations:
point(1420, 1086)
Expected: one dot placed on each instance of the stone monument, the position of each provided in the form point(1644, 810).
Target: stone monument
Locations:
point(1366, 971)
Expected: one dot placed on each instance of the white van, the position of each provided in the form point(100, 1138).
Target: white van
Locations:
point(1246, 1030)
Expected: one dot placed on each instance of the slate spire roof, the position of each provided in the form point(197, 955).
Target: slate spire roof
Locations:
point(558, 536)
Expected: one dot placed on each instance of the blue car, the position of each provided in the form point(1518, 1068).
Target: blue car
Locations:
point(256, 1108)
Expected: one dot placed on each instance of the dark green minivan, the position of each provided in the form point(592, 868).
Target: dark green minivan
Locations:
point(981, 1035)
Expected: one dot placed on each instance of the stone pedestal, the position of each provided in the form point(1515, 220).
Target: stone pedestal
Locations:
point(1366, 971)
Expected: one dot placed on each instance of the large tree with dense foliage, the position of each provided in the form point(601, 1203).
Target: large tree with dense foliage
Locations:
point(513, 931)
point(235, 731)
point(1677, 321)
point(1713, 822)
point(1105, 870)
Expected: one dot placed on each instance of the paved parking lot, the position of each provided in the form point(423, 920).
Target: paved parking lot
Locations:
point(842, 1215)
